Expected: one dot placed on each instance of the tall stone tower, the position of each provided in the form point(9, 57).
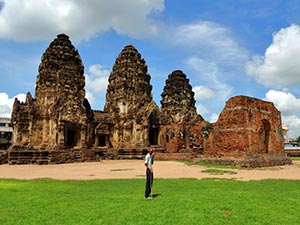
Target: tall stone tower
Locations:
point(59, 115)
point(129, 102)
point(182, 129)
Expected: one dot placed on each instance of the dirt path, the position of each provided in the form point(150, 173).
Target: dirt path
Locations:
point(124, 169)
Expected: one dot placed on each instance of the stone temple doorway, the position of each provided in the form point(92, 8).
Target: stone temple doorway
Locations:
point(71, 138)
point(71, 135)
point(102, 140)
point(153, 136)
point(102, 135)
point(153, 128)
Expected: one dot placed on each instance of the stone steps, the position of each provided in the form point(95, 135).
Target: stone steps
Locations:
point(3, 157)
point(51, 157)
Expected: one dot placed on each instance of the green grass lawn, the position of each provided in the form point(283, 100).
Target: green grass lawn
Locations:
point(295, 158)
point(176, 201)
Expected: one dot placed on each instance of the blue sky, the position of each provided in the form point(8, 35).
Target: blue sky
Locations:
point(226, 48)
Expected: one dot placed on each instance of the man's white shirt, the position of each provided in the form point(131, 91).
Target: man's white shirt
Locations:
point(148, 160)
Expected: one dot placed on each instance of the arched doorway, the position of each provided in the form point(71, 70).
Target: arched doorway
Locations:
point(265, 135)
point(71, 135)
point(102, 135)
point(153, 128)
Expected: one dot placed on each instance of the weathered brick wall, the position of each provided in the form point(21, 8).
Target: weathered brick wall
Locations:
point(171, 138)
point(247, 128)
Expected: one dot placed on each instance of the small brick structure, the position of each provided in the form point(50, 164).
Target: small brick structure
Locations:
point(248, 133)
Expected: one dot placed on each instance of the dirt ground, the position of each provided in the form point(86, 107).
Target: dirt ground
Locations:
point(124, 169)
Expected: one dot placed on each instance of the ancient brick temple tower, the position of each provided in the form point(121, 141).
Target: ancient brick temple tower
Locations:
point(182, 128)
point(129, 103)
point(58, 125)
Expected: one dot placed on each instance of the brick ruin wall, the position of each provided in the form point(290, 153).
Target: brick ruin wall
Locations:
point(248, 133)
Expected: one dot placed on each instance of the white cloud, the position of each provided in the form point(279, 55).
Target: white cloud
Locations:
point(284, 101)
point(212, 40)
point(98, 70)
point(293, 123)
point(6, 103)
point(289, 106)
point(213, 77)
point(201, 109)
point(214, 118)
point(97, 81)
point(78, 18)
point(280, 64)
point(211, 51)
point(215, 87)
point(96, 84)
point(202, 92)
point(5, 111)
point(206, 68)
point(90, 97)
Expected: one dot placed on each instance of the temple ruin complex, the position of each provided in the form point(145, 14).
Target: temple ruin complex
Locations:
point(57, 125)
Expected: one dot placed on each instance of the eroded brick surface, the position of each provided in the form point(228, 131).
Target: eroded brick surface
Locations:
point(248, 129)
point(182, 129)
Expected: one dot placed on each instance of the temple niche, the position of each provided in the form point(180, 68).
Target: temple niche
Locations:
point(57, 125)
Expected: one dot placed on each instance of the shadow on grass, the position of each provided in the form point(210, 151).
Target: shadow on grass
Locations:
point(155, 195)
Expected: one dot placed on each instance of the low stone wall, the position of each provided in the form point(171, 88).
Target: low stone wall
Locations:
point(131, 154)
point(19, 155)
point(173, 156)
point(249, 162)
point(89, 155)
point(52, 157)
point(292, 152)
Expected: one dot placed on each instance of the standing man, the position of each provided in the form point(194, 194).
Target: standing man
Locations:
point(149, 172)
